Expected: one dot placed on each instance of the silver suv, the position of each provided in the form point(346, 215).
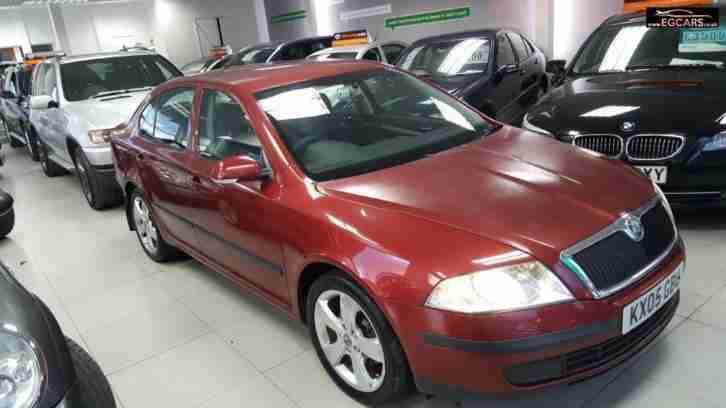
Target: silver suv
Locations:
point(79, 103)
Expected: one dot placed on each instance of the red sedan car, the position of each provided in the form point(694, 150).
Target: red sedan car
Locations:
point(421, 242)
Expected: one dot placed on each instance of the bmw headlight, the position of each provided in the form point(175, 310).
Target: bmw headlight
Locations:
point(717, 142)
point(506, 288)
point(20, 373)
point(529, 126)
point(103, 136)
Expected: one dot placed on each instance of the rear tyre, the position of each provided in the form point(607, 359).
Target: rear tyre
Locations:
point(50, 168)
point(355, 343)
point(147, 231)
point(7, 222)
point(93, 387)
point(101, 191)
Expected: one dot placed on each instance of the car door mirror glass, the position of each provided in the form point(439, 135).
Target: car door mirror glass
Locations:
point(41, 102)
point(238, 168)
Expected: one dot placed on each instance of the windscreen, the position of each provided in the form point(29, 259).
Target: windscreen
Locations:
point(636, 46)
point(255, 55)
point(334, 56)
point(356, 123)
point(99, 77)
point(448, 58)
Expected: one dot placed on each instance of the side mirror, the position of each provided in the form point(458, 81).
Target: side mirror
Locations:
point(42, 102)
point(556, 67)
point(8, 95)
point(238, 168)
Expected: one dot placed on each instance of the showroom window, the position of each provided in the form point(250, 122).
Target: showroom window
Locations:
point(173, 117)
point(224, 129)
point(505, 54)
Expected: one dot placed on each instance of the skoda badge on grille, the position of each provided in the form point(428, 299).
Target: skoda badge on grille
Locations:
point(634, 228)
point(628, 126)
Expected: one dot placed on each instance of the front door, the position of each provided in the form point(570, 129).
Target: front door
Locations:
point(236, 221)
point(507, 85)
point(163, 154)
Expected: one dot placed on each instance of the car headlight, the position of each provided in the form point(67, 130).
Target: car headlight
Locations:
point(529, 126)
point(507, 288)
point(20, 374)
point(103, 136)
point(717, 142)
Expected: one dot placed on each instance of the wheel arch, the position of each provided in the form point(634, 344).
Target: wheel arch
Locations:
point(129, 189)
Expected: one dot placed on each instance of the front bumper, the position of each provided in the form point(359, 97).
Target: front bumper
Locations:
point(502, 353)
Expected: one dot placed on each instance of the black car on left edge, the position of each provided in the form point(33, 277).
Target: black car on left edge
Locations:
point(498, 71)
point(15, 108)
point(653, 97)
point(39, 367)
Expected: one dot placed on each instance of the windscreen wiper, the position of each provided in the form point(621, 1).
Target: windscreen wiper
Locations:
point(121, 92)
point(664, 67)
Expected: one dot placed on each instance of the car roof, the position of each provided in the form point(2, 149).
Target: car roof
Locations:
point(100, 55)
point(487, 32)
point(258, 77)
point(306, 39)
point(346, 48)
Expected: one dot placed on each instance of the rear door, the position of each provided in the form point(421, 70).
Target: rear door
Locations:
point(163, 154)
point(528, 70)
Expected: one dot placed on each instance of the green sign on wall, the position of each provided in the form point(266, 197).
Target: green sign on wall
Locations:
point(429, 17)
point(295, 15)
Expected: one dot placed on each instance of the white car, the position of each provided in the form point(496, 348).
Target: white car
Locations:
point(386, 52)
point(77, 104)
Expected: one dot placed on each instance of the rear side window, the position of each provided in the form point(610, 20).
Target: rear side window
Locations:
point(505, 54)
point(302, 49)
point(225, 130)
point(173, 117)
point(519, 46)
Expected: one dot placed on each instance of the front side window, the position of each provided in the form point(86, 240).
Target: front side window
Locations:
point(49, 83)
point(636, 46)
point(372, 55)
point(38, 78)
point(225, 130)
point(173, 117)
point(392, 51)
point(505, 53)
point(356, 123)
point(448, 58)
point(108, 76)
point(148, 121)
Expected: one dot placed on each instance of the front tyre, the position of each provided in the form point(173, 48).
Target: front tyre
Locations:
point(355, 343)
point(147, 231)
point(100, 190)
point(93, 387)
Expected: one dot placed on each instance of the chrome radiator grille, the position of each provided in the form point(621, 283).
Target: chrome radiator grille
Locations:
point(654, 147)
point(609, 145)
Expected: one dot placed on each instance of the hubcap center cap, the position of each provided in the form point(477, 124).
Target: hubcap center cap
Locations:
point(347, 341)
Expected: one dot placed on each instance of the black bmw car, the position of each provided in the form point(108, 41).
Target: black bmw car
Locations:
point(498, 71)
point(653, 97)
point(39, 367)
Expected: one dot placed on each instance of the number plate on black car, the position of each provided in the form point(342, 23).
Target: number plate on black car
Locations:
point(659, 174)
point(637, 312)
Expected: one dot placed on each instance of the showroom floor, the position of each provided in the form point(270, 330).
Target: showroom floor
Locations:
point(179, 336)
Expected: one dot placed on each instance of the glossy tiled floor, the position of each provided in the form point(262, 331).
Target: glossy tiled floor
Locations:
point(179, 336)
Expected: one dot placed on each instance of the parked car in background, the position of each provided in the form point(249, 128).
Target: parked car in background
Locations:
point(200, 65)
point(512, 285)
point(39, 366)
point(78, 102)
point(653, 98)
point(15, 108)
point(386, 52)
point(498, 71)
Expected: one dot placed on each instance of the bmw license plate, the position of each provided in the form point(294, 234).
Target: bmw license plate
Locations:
point(659, 174)
point(637, 312)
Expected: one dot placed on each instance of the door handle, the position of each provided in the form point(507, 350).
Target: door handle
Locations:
point(196, 180)
point(140, 157)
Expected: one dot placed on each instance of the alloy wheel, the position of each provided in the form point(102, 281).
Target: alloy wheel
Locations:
point(83, 178)
point(148, 234)
point(349, 341)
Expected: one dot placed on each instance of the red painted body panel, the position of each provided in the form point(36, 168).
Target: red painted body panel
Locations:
point(397, 232)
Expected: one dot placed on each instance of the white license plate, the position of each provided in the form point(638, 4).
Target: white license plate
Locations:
point(637, 312)
point(659, 174)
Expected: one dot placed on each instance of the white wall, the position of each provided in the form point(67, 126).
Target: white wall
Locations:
point(575, 20)
point(107, 27)
point(174, 25)
point(12, 30)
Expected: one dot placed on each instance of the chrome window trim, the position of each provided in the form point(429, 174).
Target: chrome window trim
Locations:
point(566, 256)
point(666, 135)
point(622, 142)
